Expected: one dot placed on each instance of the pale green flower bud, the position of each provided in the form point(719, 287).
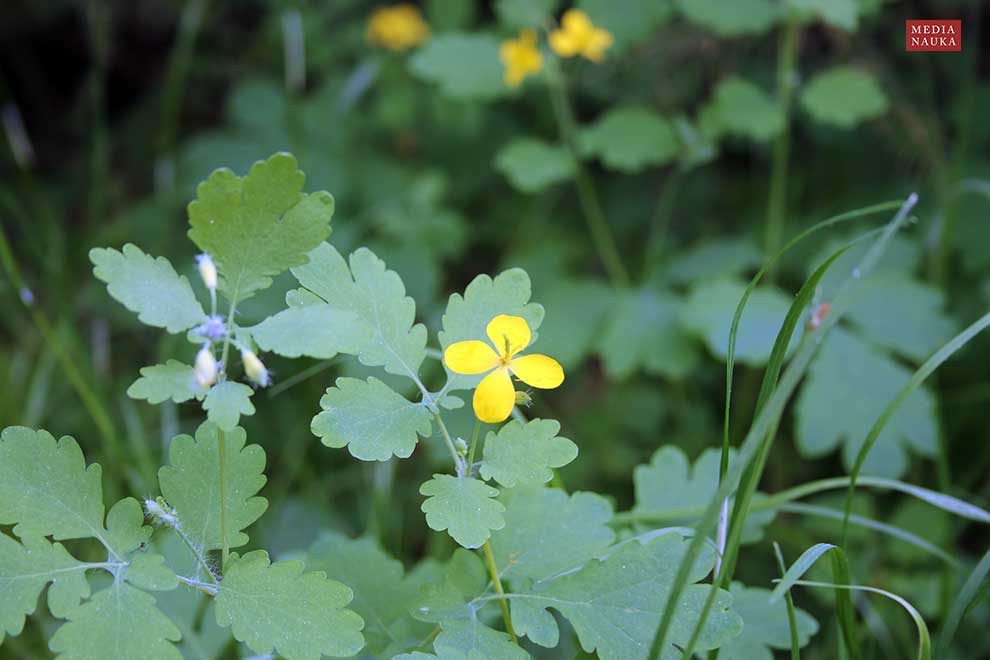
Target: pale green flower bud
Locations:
point(255, 369)
point(205, 367)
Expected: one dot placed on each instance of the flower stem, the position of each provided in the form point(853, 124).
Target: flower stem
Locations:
point(601, 235)
point(497, 583)
point(777, 203)
point(458, 464)
point(474, 444)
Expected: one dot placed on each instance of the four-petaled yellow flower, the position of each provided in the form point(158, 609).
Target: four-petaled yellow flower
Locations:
point(578, 36)
point(399, 27)
point(495, 395)
point(520, 57)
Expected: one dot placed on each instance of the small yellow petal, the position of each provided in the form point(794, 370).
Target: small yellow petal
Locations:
point(509, 334)
point(563, 44)
point(538, 371)
point(598, 43)
point(470, 357)
point(494, 397)
point(576, 22)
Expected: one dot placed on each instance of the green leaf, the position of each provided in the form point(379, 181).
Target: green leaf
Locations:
point(149, 287)
point(149, 572)
point(46, 487)
point(371, 420)
point(587, 299)
point(378, 297)
point(615, 604)
point(383, 593)
point(314, 330)
point(643, 331)
point(467, 316)
point(532, 165)
point(843, 14)
point(190, 483)
point(714, 258)
point(525, 13)
point(464, 507)
point(631, 138)
point(465, 66)
point(708, 314)
point(730, 19)
point(126, 530)
point(765, 625)
point(848, 386)
point(172, 380)
point(226, 402)
point(742, 109)
point(902, 314)
point(276, 608)
point(258, 226)
point(547, 532)
point(463, 579)
point(525, 453)
point(26, 568)
point(474, 640)
point(118, 622)
point(677, 492)
point(843, 97)
point(630, 21)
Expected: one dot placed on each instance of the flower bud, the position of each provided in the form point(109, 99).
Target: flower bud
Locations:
point(207, 270)
point(160, 513)
point(461, 446)
point(255, 368)
point(523, 399)
point(205, 367)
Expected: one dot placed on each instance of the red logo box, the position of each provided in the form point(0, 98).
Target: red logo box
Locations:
point(938, 36)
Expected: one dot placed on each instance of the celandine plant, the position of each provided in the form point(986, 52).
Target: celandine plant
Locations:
point(171, 577)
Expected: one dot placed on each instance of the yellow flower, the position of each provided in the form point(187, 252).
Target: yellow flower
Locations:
point(495, 395)
point(578, 36)
point(399, 27)
point(520, 57)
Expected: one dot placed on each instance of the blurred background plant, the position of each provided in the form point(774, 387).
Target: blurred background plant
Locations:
point(640, 159)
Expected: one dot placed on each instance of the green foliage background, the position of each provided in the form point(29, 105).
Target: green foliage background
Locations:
point(444, 173)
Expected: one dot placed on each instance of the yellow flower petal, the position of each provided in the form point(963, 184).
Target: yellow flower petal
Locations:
point(470, 357)
point(598, 43)
point(538, 371)
point(494, 397)
point(509, 334)
point(563, 44)
point(576, 22)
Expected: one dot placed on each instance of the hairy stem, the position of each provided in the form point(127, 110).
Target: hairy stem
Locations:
point(474, 445)
point(458, 463)
point(497, 583)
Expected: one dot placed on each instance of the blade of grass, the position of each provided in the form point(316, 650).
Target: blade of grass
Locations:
point(769, 418)
point(924, 639)
point(919, 376)
point(729, 543)
point(939, 500)
point(875, 525)
point(789, 600)
point(961, 604)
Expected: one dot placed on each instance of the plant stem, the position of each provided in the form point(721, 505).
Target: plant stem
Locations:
point(777, 203)
point(601, 235)
point(474, 444)
point(458, 464)
point(497, 583)
point(221, 450)
point(196, 553)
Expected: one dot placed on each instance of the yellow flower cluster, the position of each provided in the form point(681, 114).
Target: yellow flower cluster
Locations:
point(577, 35)
point(495, 395)
point(399, 27)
